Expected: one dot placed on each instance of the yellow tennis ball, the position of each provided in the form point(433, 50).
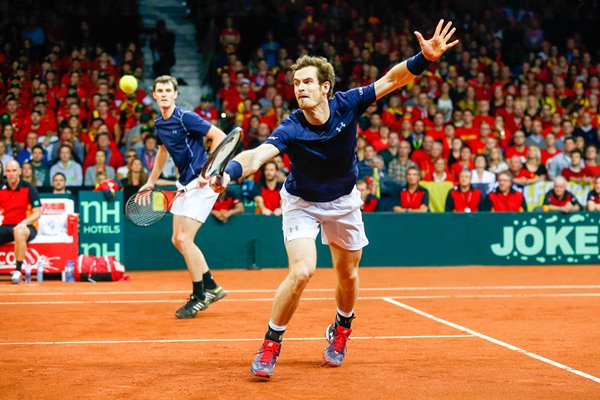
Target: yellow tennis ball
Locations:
point(128, 83)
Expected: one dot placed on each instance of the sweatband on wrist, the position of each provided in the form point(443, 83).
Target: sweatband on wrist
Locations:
point(234, 170)
point(417, 64)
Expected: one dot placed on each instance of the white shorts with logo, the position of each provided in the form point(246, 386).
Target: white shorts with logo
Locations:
point(340, 220)
point(195, 204)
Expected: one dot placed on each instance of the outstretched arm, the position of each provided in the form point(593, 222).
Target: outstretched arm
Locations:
point(431, 50)
point(249, 160)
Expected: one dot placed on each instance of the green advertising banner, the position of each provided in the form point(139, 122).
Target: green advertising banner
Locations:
point(430, 239)
point(101, 225)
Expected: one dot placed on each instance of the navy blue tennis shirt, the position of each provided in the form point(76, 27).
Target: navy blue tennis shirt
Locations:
point(323, 158)
point(183, 136)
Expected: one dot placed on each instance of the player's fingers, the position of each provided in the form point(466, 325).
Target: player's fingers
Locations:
point(448, 36)
point(446, 29)
point(419, 37)
point(438, 28)
point(449, 45)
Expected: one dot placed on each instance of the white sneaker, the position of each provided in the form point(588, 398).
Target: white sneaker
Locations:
point(16, 277)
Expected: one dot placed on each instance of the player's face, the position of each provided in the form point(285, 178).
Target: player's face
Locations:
point(307, 89)
point(165, 95)
point(597, 185)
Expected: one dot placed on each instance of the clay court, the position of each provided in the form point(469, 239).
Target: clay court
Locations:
point(452, 333)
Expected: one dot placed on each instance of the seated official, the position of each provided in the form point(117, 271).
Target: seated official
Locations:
point(560, 199)
point(464, 197)
point(593, 199)
point(413, 198)
point(21, 207)
point(505, 197)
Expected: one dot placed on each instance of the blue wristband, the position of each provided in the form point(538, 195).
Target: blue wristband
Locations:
point(417, 64)
point(234, 170)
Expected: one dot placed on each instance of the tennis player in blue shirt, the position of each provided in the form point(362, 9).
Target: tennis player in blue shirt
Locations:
point(320, 191)
point(181, 134)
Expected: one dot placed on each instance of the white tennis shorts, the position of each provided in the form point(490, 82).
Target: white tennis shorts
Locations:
point(340, 220)
point(195, 204)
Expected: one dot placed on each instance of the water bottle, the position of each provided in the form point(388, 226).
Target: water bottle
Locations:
point(27, 273)
point(40, 271)
point(70, 271)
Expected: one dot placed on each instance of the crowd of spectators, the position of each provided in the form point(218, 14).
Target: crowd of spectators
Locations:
point(510, 103)
point(507, 99)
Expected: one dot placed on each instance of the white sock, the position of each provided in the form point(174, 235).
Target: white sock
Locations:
point(345, 314)
point(278, 328)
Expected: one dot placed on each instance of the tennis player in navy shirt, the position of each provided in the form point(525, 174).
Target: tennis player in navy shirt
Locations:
point(320, 191)
point(181, 134)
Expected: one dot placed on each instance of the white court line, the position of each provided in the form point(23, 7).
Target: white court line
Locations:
point(260, 299)
point(224, 340)
point(409, 288)
point(491, 339)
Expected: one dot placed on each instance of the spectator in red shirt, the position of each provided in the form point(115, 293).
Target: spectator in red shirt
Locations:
point(227, 205)
point(20, 207)
point(413, 198)
point(576, 173)
point(107, 186)
point(521, 176)
point(591, 157)
point(519, 148)
point(464, 197)
point(551, 150)
point(369, 199)
point(505, 198)
point(593, 199)
point(439, 173)
point(113, 155)
point(468, 131)
point(437, 130)
point(372, 133)
point(465, 161)
point(560, 199)
point(266, 195)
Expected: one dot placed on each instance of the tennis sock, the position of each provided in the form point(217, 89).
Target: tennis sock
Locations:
point(344, 320)
point(19, 265)
point(209, 282)
point(198, 289)
point(275, 332)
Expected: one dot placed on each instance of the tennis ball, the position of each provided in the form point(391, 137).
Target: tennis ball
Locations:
point(128, 84)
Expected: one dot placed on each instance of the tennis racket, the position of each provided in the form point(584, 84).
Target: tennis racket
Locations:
point(149, 206)
point(225, 151)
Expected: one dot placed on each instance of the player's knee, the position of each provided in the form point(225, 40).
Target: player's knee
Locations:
point(180, 241)
point(301, 276)
point(348, 274)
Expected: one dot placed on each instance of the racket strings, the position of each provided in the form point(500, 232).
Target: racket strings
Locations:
point(144, 209)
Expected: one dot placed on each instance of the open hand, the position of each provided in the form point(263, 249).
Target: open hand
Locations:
point(433, 48)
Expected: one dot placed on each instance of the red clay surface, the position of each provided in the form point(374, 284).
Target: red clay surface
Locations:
point(122, 341)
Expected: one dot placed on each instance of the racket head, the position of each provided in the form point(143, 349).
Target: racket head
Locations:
point(147, 207)
point(218, 159)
